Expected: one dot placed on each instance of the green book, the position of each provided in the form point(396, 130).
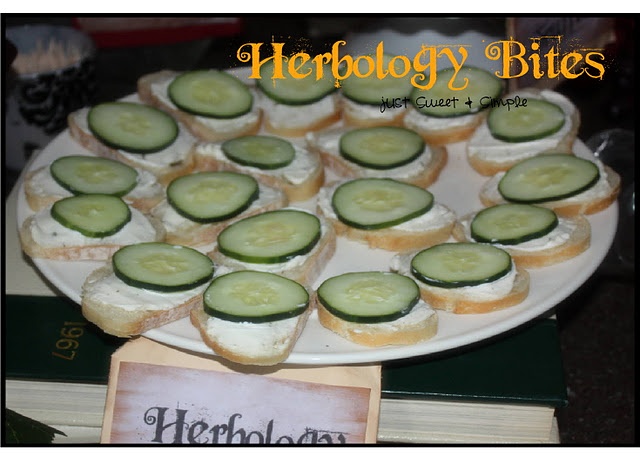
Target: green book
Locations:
point(48, 339)
point(523, 366)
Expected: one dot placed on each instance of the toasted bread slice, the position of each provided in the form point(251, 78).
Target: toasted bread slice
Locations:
point(41, 190)
point(125, 311)
point(421, 324)
point(466, 300)
point(270, 343)
point(573, 237)
point(180, 230)
point(488, 155)
point(431, 228)
point(167, 164)
point(593, 200)
point(422, 172)
point(37, 241)
point(442, 131)
point(152, 90)
point(356, 114)
point(300, 180)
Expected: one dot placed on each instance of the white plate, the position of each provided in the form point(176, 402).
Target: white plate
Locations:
point(457, 187)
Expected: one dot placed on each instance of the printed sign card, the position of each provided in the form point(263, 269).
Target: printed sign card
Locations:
point(159, 395)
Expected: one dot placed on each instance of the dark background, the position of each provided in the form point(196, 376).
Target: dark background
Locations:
point(597, 325)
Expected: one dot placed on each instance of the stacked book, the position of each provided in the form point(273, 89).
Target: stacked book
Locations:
point(505, 390)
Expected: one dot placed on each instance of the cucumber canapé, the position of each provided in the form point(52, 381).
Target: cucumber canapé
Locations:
point(162, 267)
point(259, 151)
point(93, 215)
point(438, 101)
point(290, 89)
point(548, 177)
point(512, 223)
point(132, 127)
point(381, 148)
point(376, 203)
point(537, 119)
point(369, 89)
point(212, 196)
point(255, 297)
point(452, 265)
point(369, 296)
point(271, 237)
point(210, 93)
point(93, 175)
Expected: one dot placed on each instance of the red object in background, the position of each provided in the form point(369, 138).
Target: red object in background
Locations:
point(118, 32)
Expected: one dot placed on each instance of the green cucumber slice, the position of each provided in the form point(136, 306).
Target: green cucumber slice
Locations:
point(93, 175)
point(93, 215)
point(381, 148)
point(452, 265)
point(369, 297)
point(376, 203)
point(132, 127)
point(271, 237)
point(294, 90)
point(438, 101)
point(254, 296)
point(512, 223)
point(259, 151)
point(538, 119)
point(210, 93)
point(212, 196)
point(162, 267)
point(371, 89)
point(548, 177)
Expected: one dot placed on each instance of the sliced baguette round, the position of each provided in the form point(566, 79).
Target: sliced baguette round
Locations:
point(209, 158)
point(407, 330)
point(42, 191)
point(421, 172)
point(592, 201)
point(578, 242)
point(306, 271)
point(79, 132)
point(439, 132)
point(93, 249)
point(487, 165)
point(391, 238)
point(198, 126)
point(123, 321)
point(266, 346)
point(359, 115)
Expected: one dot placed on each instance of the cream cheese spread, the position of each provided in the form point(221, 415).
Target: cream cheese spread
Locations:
point(366, 112)
point(298, 116)
point(298, 171)
point(437, 217)
point(48, 232)
point(420, 313)
point(415, 120)
point(483, 145)
point(497, 289)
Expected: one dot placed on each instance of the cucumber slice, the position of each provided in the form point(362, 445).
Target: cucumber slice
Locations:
point(294, 90)
point(271, 237)
point(371, 89)
point(93, 175)
point(381, 148)
point(438, 101)
point(512, 223)
point(376, 203)
point(162, 267)
point(254, 296)
point(212, 196)
point(452, 265)
point(548, 177)
point(93, 215)
point(369, 297)
point(538, 119)
point(132, 127)
point(259, 151)
point(210, 93)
